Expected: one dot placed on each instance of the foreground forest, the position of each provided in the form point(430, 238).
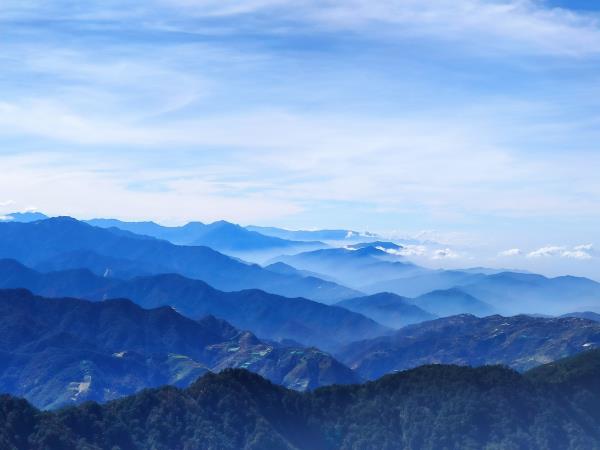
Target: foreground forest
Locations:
point(555, 406)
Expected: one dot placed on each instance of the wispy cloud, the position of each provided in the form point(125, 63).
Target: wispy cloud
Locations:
point(551, 250)
point(581, 252)
point(464, 116)
point(576, 254)
point(514, 25)
point(522, 26)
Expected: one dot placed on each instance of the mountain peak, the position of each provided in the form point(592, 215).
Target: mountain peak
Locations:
point(224, 223)
point(380, 245)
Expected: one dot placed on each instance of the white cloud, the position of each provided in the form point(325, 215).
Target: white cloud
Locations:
point(423, 251)
point(406, 250)
point(5, 203)
point(413, 250)
point(444, 163)
point(511, 252)
point(576, 254)
point(445, 253)
point(581, 252)
point(544, 252)
point(61, 186)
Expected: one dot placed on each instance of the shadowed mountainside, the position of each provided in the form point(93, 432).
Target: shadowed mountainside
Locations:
point(61, 351)
point(521, 342)
point(267, 315)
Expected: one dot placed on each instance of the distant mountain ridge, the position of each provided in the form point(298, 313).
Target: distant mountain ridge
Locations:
point(372, 268)
point(267, 315)
point(62, 351)
point(422, 282)
point(312, 235)
point(388, 309)
point(510, 292)
point(355, 264)
point(222, 236)
point(46, 243)
point(64, 243)
point(397, 311)
point(451, 302)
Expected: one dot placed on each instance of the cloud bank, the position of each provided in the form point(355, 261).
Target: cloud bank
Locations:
point(466, 116)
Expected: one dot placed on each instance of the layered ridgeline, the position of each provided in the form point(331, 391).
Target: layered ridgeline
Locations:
point(505, 292)
point(334, 236)
point(223, 236)
point(267, 315)
point(388, 309)
point(355, 265)
point(371, 267)
point(395, 311)
point(65, 243)
point(377, 267)
point(555, 407)
point(521, 342)
point(59, 351)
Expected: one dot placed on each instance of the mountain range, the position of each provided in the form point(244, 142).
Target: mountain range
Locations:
point(584, 315)
point(207, 311)
point(189, 233)
point(311, 323)
point(396, 311)
point(512, 292)
point(222, 236)
point(354, 266)
point(423, 282)
point(380, 267)
point(505, 292)
point(521, 342)
point(451, 302)
point(323, 274)
point(335, 236)
point(267, 315)
point(554, 407)
point(388, 309)
point(61, 351)
point(65, 243)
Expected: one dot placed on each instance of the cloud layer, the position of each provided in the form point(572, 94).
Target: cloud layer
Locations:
point(477, 118)
point(580, 252)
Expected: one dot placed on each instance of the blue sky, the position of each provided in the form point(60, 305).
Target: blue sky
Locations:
point(472, 122)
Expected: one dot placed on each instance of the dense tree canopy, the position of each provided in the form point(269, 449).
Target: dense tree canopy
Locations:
point(431, 407)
